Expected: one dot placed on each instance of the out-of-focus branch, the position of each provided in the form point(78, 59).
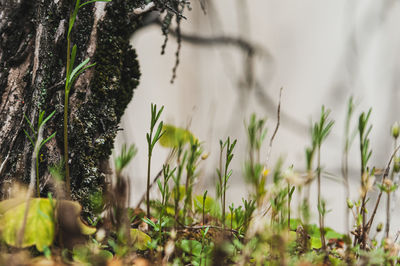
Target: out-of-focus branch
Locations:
point(218, 40)
point(248, 47)
point(146, 8)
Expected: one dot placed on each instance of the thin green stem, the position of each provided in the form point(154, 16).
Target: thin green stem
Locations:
point(148, 183)
point(67, 177)
point(388, 195)
point(37, 176)
point(66, 96)
point(289, 197)
point(321, 218)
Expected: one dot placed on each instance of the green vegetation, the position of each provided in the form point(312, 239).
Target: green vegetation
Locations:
point(185, 226)
point(181, 228)
point(72, 74)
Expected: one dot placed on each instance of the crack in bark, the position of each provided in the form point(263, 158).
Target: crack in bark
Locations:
point(37, 51)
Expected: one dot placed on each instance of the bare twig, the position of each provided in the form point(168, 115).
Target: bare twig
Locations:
point(212, 40)
point(386, 173)
point(388, 199)
point(171, 154)
point(278, 122)
point(141, 10)
point(197, 227)
point(151, 185)
point(268, 104)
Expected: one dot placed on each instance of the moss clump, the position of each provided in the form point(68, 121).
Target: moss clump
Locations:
point(95, 124)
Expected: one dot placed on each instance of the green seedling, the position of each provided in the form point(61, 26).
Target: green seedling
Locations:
point(364, 130)
point(181, 161)
point(151, 141)
point(193, 157)
point(254, 170)
point(165, 194)
point(204, 206)
point(388, 186)
point(37, 142)
point(125, 157)
point(72, 73)
point(224, 173)
point(319, 133)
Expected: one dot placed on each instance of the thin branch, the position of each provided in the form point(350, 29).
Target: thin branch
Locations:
point(151, 185)
point(278, 122)
point(218, 40)
point(197, 227)
point(386, 173)
point(141, 10)
point(211, 40)
point(242, 44)
point(167, 161)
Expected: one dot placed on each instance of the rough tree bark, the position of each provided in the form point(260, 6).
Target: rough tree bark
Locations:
point(32, 74)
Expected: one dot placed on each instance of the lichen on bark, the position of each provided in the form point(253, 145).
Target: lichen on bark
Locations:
point(95, 123)
point(97, 101)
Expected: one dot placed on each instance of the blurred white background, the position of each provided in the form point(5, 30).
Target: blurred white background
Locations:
point(320, 52)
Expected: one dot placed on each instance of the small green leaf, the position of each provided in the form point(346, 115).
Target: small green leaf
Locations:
point(47, 118)
point(29, 137)
point(175, 136)
point(29, 122)
point(72, 62)
point(76, 69)
point(74, 77)
point(210, 205)
point(46, 140)
point(106, 254)
point(73, 17)
point(140, 239)
point(40, 119)
point(191, 247)
point(39, 229)
point(316, 243)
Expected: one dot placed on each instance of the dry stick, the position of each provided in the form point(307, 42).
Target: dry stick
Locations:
point(345, 173)
point(196, 227)
point(386, 173)
point(345, 166)
point(271, 141)
point(148, 7)
point(171, 154)
point(151, 185)
point(214, 40)
point(388, 200)
point(278, 122)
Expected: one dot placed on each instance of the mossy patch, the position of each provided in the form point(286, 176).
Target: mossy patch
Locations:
point(95, 126)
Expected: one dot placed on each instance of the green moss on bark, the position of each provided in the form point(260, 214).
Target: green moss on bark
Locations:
point(95, 126)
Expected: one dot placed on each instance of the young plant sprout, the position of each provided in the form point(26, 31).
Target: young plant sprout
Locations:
point(186, 228)
point(224, 173)
point(366, 177)
point(151, 142)
point(320, 132)
point(37, 142)
point(72, 73)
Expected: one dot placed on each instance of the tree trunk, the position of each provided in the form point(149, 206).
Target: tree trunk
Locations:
point(32, 77)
